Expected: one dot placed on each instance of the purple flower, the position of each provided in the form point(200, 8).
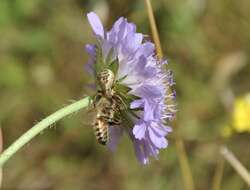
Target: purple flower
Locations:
point(147, 79)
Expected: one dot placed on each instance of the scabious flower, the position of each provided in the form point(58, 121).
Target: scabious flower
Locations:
point(148, 85)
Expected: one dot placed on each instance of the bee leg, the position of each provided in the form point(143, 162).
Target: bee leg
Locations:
point(97, 97)
point(120, 102)
point(115, 121)
point(123, 105)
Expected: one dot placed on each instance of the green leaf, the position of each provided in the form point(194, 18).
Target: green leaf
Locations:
point(120, 88)
point(110, 55)
point(127, 121)
point(113, 66)
point(121, 79)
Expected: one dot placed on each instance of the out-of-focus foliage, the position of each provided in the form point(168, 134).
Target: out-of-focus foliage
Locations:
point(42, 61)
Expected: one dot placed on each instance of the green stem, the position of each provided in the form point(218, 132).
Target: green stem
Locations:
point(39, 127)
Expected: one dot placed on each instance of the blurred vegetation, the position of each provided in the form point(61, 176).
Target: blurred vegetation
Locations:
point(42, 61)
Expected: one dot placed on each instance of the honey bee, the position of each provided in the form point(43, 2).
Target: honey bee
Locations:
point(107, 105)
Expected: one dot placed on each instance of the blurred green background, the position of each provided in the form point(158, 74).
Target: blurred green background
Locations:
point(42, 61)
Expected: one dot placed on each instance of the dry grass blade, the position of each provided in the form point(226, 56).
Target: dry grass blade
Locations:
point(240, 169)
point(218, 174)
point(154, 29)
point(184, 164)
point(1, 149)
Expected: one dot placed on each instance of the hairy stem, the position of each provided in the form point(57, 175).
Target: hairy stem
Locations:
point(39, 127)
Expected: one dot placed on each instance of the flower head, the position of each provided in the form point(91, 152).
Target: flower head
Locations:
point(142, 81)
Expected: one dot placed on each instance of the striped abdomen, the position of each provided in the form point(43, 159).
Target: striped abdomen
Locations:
point(105, 118)
point(101, 130)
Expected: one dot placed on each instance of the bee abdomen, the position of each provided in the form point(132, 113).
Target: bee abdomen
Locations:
point(101, 131)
